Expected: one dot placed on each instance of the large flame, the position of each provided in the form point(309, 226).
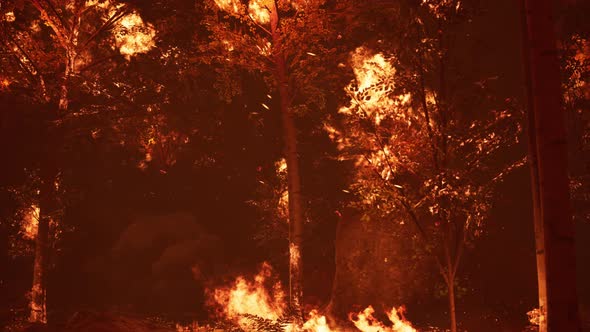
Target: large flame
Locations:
point(259, 10)
point(371, 91)
point(374, 100)
point(248, 297)
point(316, 323)
point(132, 34)
point(365, 321)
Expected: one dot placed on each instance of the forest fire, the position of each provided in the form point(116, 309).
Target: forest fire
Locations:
point(433, 154)
point(246, 301)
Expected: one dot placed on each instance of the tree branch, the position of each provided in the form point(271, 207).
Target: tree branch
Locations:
point(61, 35)
point(120, 13)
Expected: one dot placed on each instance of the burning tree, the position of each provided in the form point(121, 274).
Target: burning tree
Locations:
point(420, 147)
point(54, 47)
point(283, 41)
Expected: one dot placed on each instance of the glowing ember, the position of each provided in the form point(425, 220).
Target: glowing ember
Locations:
point(4, 84)
point(283, 203)
point(367, 323)
point(294, 252)
point(38, 308)
point(281, 166)
point(9, 17)
point(535, 316)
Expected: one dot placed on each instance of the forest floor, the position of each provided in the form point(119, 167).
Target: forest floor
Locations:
point(90, 321)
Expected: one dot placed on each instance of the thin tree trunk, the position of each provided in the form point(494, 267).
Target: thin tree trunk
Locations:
point(534, 173)
point(452, 310)
point(550, 178)
point(47, 208)
point(49, 170)
point(38, 305)
point(450, 279)
point(292, 158)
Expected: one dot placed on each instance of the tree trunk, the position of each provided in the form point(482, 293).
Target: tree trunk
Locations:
point(534, 173)
point(47, 208)
point(555, 224)
point(38, 305)
point(48, 169)
point(292, 158)
point(449, 276)
point(452, 310)
point(47, 199)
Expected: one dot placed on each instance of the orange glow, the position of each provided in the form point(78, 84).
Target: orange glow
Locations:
point(250, 297)
point(283, 202)
point(388, 148)
point(4, 84)
point(259, 10)
point(536, 316)
point(230, 6)
point(133, 36)
point(30, 222)
point(258, 297)
point(9, 17)
point(440, 7)
point(371, 91)
point(316, 323)
point(265, 48)
point(582, 56)
point(365, 321)
point(38, 310)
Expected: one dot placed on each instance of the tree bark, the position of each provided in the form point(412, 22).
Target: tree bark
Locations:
point(554, 229)
point(450, 278)
point(292, 159)
point(534, 174)
point(452, 310)
point(38, 305)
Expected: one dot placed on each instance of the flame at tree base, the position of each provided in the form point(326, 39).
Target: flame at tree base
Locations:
point(365, 321)
point(249, 304)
